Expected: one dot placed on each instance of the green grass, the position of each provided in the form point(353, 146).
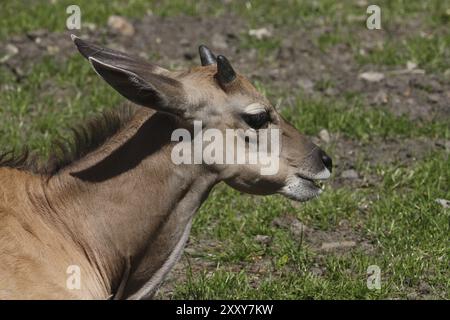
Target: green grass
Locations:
point(18, 17)
point(24, 16)
point(58, 95)
point(352, 118)
point(432, 54)
point(404, 223)
point(52, 98)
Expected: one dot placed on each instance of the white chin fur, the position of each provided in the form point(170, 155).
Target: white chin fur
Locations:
point(323, 175)
point(300, 189)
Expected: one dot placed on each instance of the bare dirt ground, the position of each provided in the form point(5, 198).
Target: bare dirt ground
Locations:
point(298, 63)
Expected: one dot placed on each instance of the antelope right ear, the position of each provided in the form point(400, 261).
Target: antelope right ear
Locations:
point(144, 84)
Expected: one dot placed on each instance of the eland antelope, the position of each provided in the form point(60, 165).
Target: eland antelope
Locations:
point(115, 205)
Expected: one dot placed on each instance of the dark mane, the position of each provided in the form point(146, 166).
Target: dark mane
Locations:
point(86, 138)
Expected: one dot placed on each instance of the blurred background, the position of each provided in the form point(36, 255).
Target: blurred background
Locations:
point(376, 100)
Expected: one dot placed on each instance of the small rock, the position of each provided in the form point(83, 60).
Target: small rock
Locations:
point(424, 287)
point(189, 251)
point(338, 245)
point(262, 239)
point(362, 3)
point(260, 34)
point(219, 41)
point(274, 73)
point(330, 91)
point(184, 42)
point(318, 272)
point(324, 135)
point(349, 174)
point(344, 223)
point(297, 228)
point(52, 50)
point(121, 25)
point(372, 76)
point(291, 223)
point(10, 51)
point(380, 97)
point(306, 84)
point(410, 65)
point(447, 73)
point(444, 203)
point(391, 83)
point(433, 97)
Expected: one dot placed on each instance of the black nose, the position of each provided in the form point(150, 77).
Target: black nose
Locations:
point(326, 160)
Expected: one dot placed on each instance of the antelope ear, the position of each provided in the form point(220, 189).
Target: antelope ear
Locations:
point(116, 58)
point(140, 82)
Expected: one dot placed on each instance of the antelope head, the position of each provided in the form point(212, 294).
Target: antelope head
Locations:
point(221, 99)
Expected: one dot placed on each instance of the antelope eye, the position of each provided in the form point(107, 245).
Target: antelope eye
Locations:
point(257, 120)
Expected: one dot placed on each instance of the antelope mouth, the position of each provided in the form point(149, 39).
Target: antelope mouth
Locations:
point(318, 184)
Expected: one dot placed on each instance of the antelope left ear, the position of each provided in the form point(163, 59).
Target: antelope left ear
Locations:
point(143, 83)
point(116, 58)
point(155, 91)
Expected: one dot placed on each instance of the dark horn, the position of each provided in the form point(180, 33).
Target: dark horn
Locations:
point(206, 56)
point(225, 72)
